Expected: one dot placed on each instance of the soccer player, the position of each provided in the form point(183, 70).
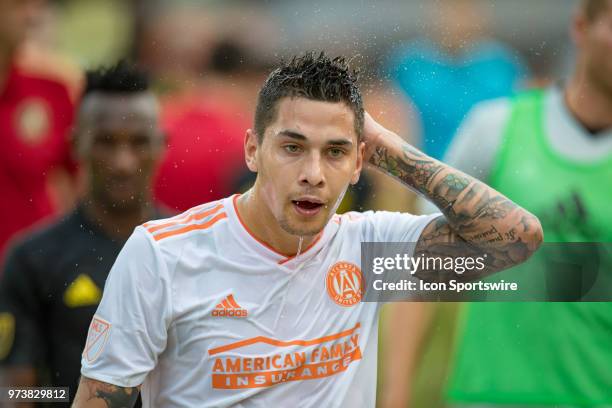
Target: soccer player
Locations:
point(255, 300)
point(37, 101)
point(53, 280)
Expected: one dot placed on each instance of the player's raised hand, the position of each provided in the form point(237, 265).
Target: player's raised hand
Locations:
point(376, 135)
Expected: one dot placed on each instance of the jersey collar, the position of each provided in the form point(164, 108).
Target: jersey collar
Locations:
point(264, 250)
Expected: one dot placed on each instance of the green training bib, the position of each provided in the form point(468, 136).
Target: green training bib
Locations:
point(541, 353)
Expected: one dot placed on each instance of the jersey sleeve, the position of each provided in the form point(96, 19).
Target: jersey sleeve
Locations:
point(389, 229)
point(129, 330)
point(21, 330)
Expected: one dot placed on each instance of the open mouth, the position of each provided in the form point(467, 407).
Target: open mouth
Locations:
point(306, 207)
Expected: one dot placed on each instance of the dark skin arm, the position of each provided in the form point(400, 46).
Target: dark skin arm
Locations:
point(16, 377)
point(476, 218)
point(98, 394)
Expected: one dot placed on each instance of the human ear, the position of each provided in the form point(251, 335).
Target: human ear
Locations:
point(359, 167)
point(250, 150)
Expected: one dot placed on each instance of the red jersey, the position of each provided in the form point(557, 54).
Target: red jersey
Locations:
point(205, 156)
point(36, 114)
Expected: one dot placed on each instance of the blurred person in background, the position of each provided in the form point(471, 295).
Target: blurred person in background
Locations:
point(550, 150)
point(442, 76)
point(456, 67)
point(204, 126)
point(53, 279)
point(205, 78)
point(37, 97)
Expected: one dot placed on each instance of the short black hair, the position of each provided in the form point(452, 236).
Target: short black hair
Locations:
point(123, 77)
point(594, 8)
point(312, 76)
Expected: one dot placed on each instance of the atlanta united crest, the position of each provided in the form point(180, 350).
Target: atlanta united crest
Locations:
point(344, 283)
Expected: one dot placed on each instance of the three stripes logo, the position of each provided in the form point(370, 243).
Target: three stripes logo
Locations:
point(229, 308)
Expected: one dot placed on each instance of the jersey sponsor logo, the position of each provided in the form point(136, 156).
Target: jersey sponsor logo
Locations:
point(265, 362)
point(32, 121)
point(7, 334)
point(344, 283)
point(97, 336)
point(229, 308)
point(82, 292)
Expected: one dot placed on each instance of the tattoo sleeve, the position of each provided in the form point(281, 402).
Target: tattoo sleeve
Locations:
point(476, 218)
point(93, 393)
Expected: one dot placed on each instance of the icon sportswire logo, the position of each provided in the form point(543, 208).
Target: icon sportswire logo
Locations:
point(229, 308)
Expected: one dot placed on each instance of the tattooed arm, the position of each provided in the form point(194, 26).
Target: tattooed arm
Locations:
point(93, 393)
point(476, 218)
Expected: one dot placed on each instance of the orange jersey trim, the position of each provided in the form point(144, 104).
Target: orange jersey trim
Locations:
point(192, 227)
point(282, 261)
point(280, 343)
point(313, 243)
point(188, 218)
point(180, 216)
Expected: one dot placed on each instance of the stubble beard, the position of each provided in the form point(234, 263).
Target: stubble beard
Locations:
point(285, 224)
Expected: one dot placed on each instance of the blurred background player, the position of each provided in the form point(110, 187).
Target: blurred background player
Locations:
point(208, 84)
point(442, 75)
point(37, 96)
point(551, 151)
point(53, 280)
point(456, 66)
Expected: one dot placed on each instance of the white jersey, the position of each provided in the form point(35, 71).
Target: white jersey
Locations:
point(202, 314)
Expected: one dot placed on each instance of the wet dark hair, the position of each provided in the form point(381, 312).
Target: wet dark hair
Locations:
point(122, 77)
point(594, 8)
point(312, 76)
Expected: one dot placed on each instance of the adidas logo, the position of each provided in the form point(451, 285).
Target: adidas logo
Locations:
point(230, 308)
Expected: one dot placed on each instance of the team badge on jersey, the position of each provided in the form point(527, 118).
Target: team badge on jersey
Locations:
point(344, 283)
point(99, 330)
point(32, 121)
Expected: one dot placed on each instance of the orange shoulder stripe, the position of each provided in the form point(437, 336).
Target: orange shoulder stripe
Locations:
point(179, 216)
point(191, 227)
point(189, 217)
